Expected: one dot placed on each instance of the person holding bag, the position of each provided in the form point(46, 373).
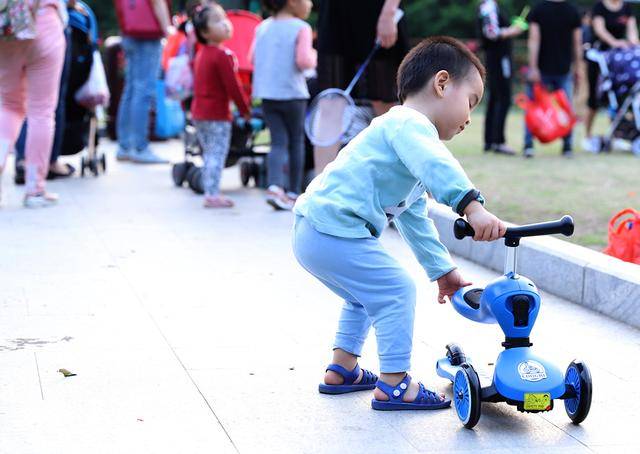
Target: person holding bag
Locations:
point(143, 24)
point(32, 48)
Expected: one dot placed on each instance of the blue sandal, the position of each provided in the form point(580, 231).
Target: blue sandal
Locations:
point(368, 381)
point(425, 400)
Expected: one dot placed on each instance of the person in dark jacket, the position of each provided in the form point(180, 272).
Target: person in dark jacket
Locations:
point(496, 34)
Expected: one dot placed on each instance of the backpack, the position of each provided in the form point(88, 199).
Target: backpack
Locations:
point(17, 19)
point(137, 19)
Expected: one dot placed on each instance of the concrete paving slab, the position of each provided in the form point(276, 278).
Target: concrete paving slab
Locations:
point(196, 331)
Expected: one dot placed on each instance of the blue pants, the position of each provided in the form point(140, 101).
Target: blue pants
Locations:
point(552, 83)
point(376, 291)
point(140, 76)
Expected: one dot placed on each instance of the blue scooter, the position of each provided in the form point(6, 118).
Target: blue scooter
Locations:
point(521, 378)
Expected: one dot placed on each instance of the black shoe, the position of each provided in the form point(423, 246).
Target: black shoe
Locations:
point(504, 149)
point(53, 175)
point(18, 178)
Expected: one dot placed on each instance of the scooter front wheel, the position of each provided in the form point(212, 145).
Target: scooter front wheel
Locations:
point(579, 377)
point(466, 395)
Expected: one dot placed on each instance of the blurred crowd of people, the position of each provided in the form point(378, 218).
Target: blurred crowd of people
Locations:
point(35, 78)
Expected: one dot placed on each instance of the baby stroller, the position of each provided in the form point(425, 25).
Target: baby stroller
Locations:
point(619, 82)
point(243, 148)
point(80, 122)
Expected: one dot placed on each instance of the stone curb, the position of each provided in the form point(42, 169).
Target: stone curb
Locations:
point(578, 274)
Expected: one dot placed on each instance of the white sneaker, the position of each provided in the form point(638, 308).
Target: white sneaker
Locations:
point(277, 198)
point(621, 144)
point(591, 144)
point(41, 200)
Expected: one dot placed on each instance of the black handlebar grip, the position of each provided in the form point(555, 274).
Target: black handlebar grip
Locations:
point(462, 228)
point(563, 226)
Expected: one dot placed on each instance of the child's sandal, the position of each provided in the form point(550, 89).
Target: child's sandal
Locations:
point(425, 400)
point(368, 382)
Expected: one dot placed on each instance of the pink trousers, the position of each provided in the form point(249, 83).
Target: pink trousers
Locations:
point(29, 84)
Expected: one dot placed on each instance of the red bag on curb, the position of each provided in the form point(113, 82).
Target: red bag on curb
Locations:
point(548, 115)
point(624, 236)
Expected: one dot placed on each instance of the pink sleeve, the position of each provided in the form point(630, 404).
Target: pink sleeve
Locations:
point(306, 55)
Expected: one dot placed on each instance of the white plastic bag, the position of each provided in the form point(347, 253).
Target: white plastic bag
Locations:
point(95, 91)
point(179, 78)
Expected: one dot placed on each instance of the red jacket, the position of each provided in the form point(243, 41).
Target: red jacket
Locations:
point(215, 84)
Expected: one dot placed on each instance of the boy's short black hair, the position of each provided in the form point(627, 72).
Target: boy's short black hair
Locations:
point(430, 56)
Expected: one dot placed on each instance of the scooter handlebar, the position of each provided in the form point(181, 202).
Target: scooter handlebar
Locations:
point(564, 226)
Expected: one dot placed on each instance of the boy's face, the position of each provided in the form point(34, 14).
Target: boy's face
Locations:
point(457, 99)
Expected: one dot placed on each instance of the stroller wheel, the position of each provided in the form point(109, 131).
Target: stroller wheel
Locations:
point(103, 163)
point(579, 377)
point(466, 395)
point(83, 166)
point(245, 173)
point(195, 180)
point(93, 166)
point(179, 172)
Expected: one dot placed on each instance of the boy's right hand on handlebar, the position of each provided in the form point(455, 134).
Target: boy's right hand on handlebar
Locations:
point(487, 226)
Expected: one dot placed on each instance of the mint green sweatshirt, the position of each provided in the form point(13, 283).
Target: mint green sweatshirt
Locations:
point(383, 174)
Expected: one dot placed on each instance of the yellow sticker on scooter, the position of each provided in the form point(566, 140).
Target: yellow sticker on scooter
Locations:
point(537, 401)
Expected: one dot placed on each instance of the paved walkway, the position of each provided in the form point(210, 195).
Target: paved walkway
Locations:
point(195, 331)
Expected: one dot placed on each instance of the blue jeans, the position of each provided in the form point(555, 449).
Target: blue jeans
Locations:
point(141, 73)
point(552, 83)
point(58, 134)
point(376, 291)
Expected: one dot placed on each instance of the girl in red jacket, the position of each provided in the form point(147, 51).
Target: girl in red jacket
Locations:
point(215, 85)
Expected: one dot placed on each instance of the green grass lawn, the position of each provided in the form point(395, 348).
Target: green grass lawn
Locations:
point(591, 188)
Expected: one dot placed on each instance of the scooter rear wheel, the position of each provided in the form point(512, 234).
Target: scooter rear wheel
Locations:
point(579, 377)
point(466, 395)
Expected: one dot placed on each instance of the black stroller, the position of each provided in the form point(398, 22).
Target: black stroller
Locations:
point(619, 83)
point(243, 150)
point(81, 124)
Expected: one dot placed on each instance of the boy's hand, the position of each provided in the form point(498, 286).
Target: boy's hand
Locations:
point(449, 284)
point(486, 225)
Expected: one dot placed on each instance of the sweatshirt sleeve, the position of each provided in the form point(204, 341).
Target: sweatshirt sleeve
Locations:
point(429, 161)
point(420, 233)
point(306, 55)
point(231, 84)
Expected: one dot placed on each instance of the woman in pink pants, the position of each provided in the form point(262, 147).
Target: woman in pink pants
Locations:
point(29, 83)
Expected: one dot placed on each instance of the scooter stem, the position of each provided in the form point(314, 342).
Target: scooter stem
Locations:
point(511, 260)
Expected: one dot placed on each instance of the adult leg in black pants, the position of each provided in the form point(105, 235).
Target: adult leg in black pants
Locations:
point(499, 87)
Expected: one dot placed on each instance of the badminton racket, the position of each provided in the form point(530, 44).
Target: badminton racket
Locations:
point(332, 111)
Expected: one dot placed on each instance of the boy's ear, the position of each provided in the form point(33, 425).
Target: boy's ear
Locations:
point(440, 81)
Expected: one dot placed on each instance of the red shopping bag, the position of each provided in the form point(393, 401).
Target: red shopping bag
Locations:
point(624, 236)
point(548, 115)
